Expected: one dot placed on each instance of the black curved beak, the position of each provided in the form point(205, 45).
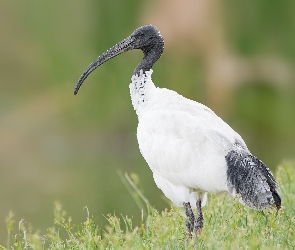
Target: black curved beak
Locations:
point(119, 48)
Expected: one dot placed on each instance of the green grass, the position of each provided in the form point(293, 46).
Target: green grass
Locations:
point(227, 225)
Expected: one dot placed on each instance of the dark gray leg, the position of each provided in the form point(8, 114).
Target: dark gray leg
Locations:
point(198, 223)
point(191, 219)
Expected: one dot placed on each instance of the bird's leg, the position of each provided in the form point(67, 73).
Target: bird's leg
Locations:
point(198, 223)
point(191, 219)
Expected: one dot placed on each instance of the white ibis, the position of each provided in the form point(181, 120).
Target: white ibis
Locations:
point(190, 150)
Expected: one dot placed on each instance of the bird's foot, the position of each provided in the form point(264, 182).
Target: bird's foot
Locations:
point(198, 222)
point(190, 229)
point(193, 222)
point(198, 227)
point(190, 223)
point(189, 212)
point(189, 234)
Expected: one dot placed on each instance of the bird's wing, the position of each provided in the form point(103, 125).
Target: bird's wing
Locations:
point(214, 127)
point(220, 132)
point(210, 124)
point(182, 149)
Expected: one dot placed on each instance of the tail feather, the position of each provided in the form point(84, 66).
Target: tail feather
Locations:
point(252, 180)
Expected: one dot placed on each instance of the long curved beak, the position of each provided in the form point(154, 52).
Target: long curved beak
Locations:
point(119, 48)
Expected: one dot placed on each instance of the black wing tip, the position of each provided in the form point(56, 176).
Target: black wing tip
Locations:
point(76, 91)
point(277, 200)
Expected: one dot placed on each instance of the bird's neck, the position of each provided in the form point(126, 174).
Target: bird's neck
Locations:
point(151, 54)
point(141, 90)
point(141, 86)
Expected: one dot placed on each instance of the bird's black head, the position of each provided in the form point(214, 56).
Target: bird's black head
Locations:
point(147, 38)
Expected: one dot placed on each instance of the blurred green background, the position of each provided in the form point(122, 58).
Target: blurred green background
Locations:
point(237, 57)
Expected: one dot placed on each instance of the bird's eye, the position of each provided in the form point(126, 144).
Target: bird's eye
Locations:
point(139, 34)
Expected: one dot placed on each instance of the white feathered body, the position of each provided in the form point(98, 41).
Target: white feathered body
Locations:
point(183, 142)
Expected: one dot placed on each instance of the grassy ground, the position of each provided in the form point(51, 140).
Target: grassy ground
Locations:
point(227, 225)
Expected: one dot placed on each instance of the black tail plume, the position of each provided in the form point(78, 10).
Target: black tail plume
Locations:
point(252, 180)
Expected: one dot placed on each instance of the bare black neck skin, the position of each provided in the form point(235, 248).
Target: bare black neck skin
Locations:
point(151, 54)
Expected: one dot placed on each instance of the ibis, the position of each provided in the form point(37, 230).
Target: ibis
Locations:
point(189, 149)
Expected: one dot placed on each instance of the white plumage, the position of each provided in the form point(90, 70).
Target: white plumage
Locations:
point(190, 150)
point(183, 142)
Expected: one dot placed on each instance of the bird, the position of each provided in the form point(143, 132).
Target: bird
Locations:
point(190, 150)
